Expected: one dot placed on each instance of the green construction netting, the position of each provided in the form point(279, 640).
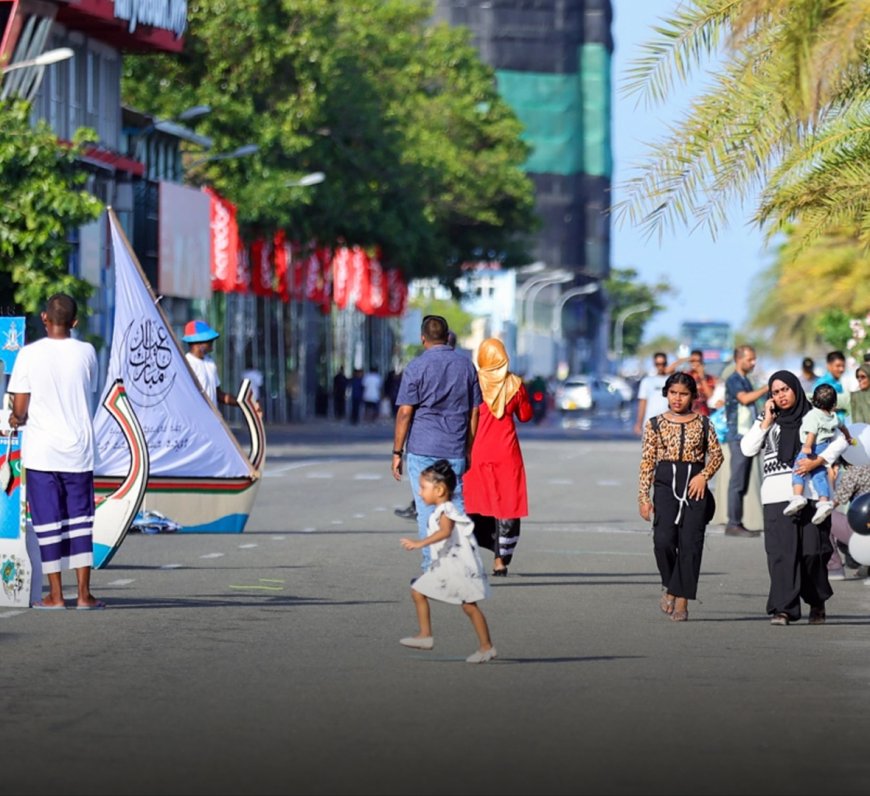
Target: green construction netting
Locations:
point(566, 117)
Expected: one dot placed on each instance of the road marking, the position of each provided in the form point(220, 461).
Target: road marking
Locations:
point(275, 472)
point(359, 516)
point(309, 530)
point(367, 477)
point(121, 582)
point(6, 614)
point(247, 546)
point(271, 580)
point(379, 508)
point(171, 566)
point(609, 483)
point(337, 522)
point(212, 555)
point(279, 538)
point(319, 475)
point(256, 587)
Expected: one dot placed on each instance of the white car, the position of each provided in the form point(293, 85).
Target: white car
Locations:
point(621, 386)
point(579, 393)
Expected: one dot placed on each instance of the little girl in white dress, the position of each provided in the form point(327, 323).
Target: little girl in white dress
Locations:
point(456, 574)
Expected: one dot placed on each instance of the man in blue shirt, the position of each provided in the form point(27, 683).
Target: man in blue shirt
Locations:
point(740, 398)
point(836, 364)
point(439, 399)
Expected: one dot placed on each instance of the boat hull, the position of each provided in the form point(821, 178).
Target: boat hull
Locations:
point(198, 505)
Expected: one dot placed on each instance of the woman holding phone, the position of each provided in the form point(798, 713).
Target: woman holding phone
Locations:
point(797, 550)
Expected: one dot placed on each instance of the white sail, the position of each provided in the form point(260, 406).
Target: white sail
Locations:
point(186, 434)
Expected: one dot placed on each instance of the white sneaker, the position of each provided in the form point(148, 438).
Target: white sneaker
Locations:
point(794, 505)
point(823, 511)
point(418, 643)
point(481, 657)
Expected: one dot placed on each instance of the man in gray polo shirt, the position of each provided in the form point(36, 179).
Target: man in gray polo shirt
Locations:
point(438, 400)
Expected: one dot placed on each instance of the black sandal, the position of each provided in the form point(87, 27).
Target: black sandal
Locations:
point(500, 573)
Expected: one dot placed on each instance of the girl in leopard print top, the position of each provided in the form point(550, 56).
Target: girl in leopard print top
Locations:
point(680, 453)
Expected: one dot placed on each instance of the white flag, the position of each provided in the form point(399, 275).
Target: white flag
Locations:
point(186, 434)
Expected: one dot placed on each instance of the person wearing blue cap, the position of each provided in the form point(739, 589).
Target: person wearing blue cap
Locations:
point(200, 338)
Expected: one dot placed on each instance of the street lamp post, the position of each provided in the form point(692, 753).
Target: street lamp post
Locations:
point(583, 290)
point(526, 295)
point(620, 323)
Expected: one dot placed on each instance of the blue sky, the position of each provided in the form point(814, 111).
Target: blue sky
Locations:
point(714, 278)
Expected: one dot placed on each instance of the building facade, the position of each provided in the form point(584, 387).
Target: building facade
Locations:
point(552, 62)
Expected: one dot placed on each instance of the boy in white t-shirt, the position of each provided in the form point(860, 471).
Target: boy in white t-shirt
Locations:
point(51, 384)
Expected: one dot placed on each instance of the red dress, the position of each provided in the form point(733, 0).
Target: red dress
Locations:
point(495, 485)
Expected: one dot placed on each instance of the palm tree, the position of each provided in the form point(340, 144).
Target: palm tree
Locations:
point(785, 119)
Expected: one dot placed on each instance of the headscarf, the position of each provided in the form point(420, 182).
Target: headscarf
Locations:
point(859, 400)
point(789, 420)
point(497, 384)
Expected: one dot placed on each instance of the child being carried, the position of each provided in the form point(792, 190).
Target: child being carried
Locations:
point(818, 428)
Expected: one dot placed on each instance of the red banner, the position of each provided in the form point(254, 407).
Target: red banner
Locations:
point(242, 283)
point(371, 286)
point(324, 254)
point(397, 293)
point(224, 243)
point(262, 274)
point(341, 276)
point(283, 260)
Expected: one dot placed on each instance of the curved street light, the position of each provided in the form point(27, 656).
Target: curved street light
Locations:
point(239, 152)
point(314, 178)
point(585, 290)
point(43, 59)
point(620, 322)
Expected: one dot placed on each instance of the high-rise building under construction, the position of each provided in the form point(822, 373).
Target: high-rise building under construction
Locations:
point(552, 62)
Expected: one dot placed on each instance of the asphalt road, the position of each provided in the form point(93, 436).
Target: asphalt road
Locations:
point(268, 662)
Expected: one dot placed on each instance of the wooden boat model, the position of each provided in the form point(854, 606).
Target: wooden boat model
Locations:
point(199, 478)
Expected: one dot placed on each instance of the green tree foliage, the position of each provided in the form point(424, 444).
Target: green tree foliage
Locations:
point(808, 286)
point(41, 185)
point(625, 292)
point(422, 156)
point(784, 112)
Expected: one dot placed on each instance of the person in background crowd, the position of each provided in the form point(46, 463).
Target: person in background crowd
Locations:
point(808, 375)
point(339, 393)
point(705, 381)
point(740, 398)
point(835, 362)
point(650, 399)
point(373, 386)
point(356, 394)
point(859, 400)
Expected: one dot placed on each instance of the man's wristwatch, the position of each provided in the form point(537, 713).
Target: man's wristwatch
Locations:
point(398, 453)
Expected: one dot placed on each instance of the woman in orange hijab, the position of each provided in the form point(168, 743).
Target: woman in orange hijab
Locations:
point(495, 486)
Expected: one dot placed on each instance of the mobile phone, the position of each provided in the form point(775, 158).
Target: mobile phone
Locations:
point(774, 408)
